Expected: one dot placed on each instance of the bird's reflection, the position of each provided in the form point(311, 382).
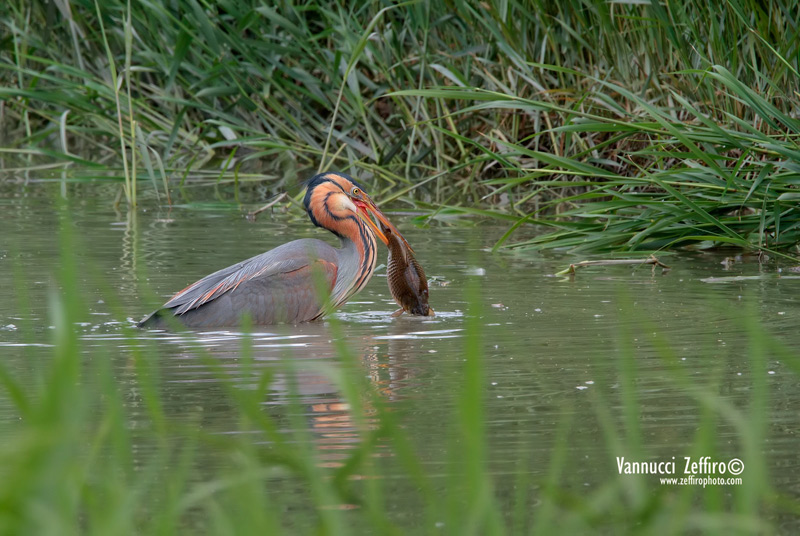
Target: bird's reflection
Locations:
point(307, 371)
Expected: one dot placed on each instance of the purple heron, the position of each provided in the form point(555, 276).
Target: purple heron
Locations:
point(296, 282)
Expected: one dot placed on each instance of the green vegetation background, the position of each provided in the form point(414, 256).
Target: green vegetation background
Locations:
point(618, 125)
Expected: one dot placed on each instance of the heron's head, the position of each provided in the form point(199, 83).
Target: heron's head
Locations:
point(337, 202)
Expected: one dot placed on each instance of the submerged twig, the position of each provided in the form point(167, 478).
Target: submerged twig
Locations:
point(610, 262)
point(251, 216)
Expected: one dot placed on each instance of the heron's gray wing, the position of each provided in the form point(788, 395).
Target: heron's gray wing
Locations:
point(288, 297)
point(276, 286)
point(215, 285)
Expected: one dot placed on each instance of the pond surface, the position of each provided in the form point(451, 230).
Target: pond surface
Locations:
point(551, 345)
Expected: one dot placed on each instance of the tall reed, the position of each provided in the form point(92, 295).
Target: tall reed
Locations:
point(617, 125)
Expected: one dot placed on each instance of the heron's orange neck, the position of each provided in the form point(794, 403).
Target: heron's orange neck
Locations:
point(357, 260)
point(329, 207)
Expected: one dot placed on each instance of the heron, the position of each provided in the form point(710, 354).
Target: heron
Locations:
point(296, 282)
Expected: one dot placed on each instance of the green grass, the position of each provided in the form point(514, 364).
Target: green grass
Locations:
point(615, 125)
point(92, 443)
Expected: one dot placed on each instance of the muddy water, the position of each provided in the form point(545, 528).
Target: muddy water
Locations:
point(551, 345)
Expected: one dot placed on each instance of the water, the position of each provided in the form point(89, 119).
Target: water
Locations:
point(551, 345)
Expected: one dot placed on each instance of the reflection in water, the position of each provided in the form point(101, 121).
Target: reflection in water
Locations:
point(407, 350)
point(130, 245)
point(306, 369)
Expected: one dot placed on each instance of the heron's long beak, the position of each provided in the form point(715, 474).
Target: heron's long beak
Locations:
point(367, 207)
point(364, 215)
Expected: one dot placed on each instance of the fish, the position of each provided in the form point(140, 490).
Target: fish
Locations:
point(406, 278)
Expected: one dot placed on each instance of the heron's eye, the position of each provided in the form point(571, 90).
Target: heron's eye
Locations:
point(356, 190)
